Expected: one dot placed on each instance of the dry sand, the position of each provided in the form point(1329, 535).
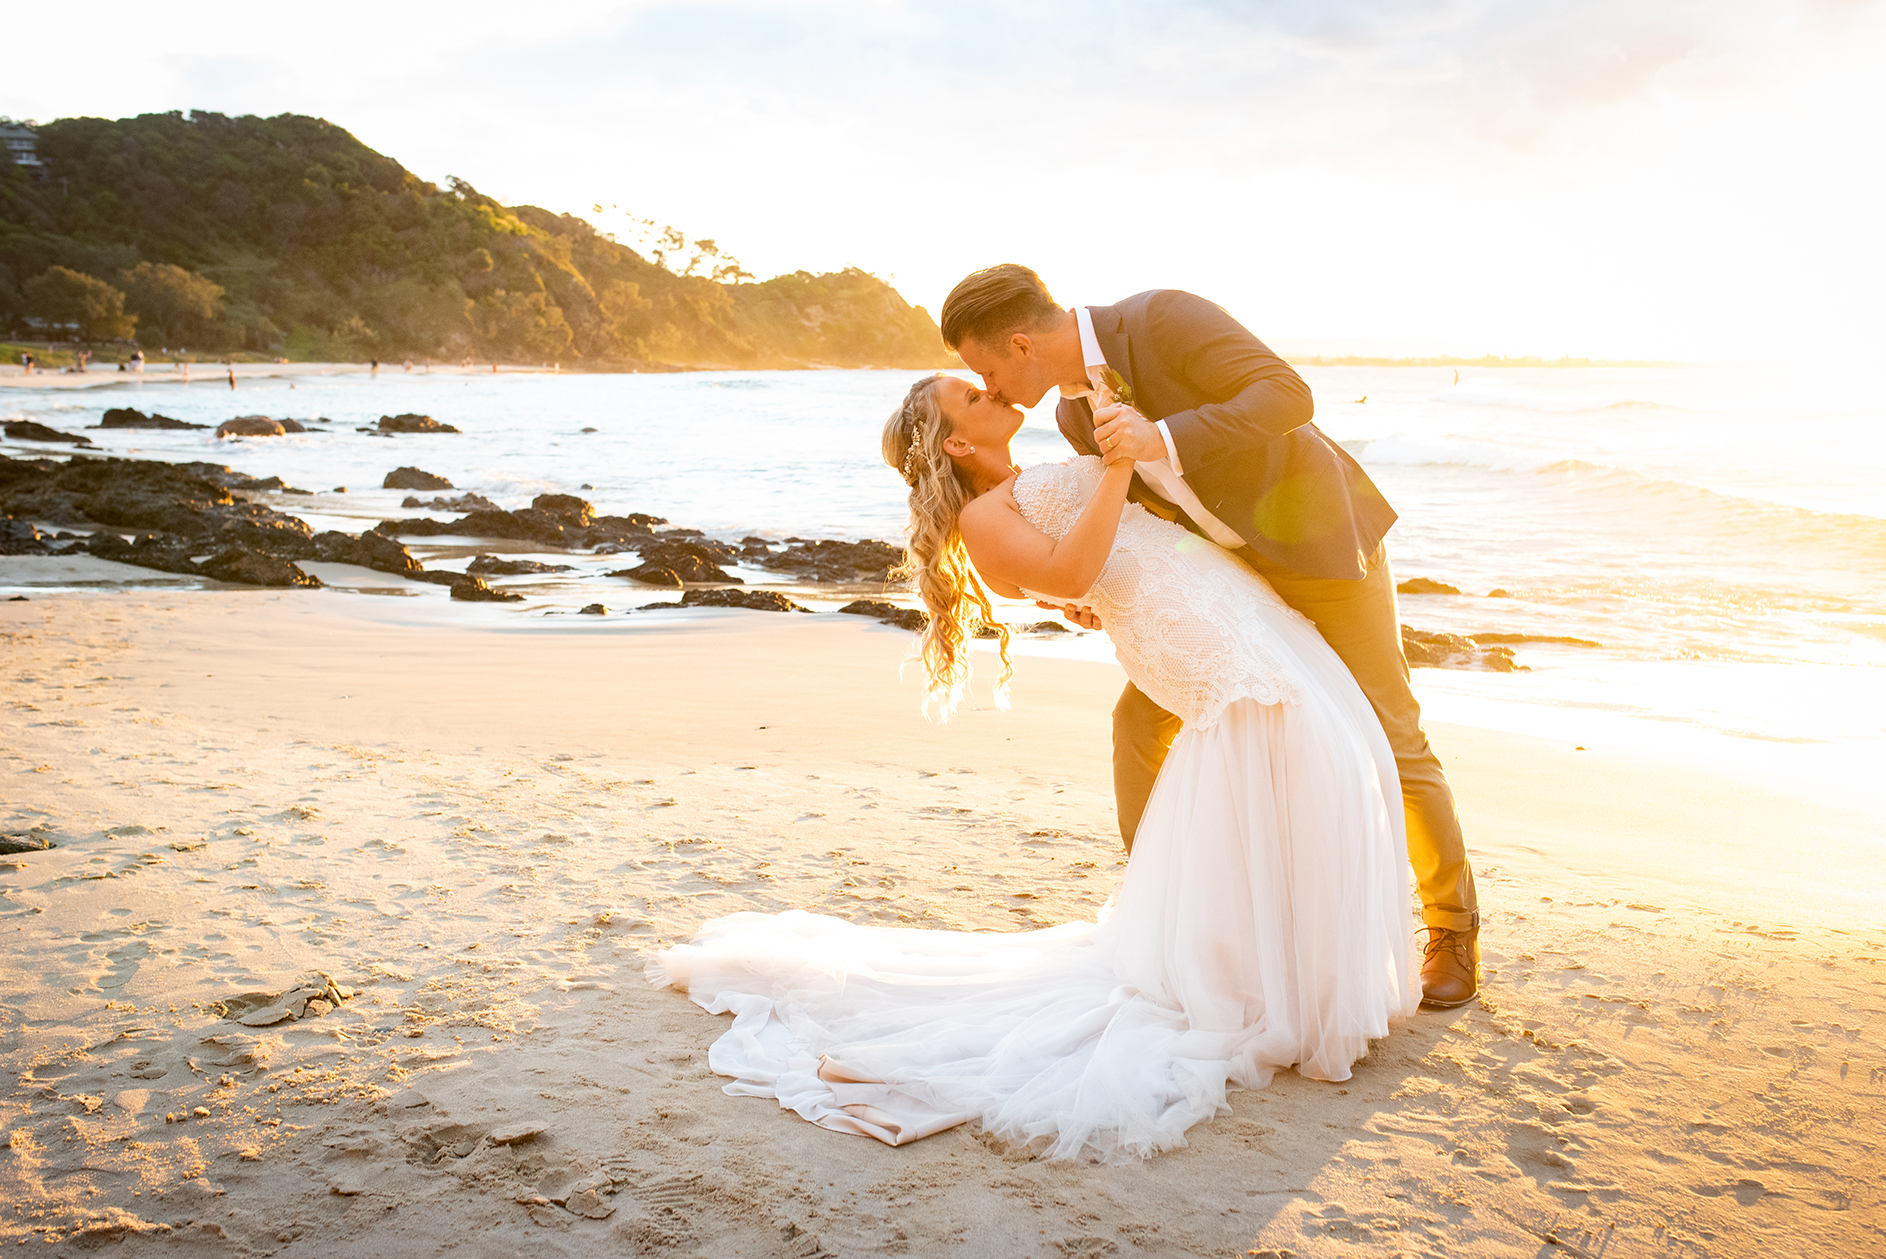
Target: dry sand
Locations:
point(482, 824)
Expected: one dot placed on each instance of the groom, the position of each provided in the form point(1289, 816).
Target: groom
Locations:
point(1219, 430)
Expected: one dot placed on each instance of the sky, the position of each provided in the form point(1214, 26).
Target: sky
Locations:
point(1677, 179)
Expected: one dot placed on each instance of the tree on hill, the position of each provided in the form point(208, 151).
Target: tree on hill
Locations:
point(60, 297)
point(318, 246)
point(173, 306)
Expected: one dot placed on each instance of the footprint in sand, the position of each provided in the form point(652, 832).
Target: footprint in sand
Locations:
point(1745, 1191)
point(125, 960)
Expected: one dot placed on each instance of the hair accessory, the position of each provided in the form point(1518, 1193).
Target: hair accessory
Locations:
point(913, 459)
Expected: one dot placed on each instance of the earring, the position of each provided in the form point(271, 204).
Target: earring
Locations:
point(972, 450)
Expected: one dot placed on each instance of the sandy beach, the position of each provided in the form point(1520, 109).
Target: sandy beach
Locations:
point(458, 835)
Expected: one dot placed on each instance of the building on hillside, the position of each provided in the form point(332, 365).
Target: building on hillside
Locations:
point(21, 145)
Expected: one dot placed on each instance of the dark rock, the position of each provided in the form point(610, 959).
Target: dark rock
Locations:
point(650, 575)
point(27, 431)
point(1499, 593)
point(1047, 627)
point(986, 630)
point(17, 843)
point(590, 430)
point(371, 549)
point(414, 479)
point(567, 509)
point(435, 576)
point(19, 538)
point(838, 561)
point(681, 560)
point(164, 552)
point(1484, 638)
point(251, 426)
point(410, 423)
point(128, 417)
point(889, 613)
point(292, 426)
point(491, 565)
point(593, 609)
point(528, 525)
point(474, 589)
point(611, 534)
point(1425, 586)
point(254, 568)
point(463, 503)
point(1424, 648)
point(757, 600)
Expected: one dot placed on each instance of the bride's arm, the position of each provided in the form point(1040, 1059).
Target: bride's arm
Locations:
point(1008, 551)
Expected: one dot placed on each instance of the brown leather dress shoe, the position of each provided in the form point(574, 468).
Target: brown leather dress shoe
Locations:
point(1450, 967)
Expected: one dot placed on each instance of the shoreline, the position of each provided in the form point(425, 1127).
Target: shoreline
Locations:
point(483, 829)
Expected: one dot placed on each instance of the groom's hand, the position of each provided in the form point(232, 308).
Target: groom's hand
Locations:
point(1124, 433)
point(1083, 617)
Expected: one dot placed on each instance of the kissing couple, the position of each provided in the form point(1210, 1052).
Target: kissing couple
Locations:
point(1273, 782)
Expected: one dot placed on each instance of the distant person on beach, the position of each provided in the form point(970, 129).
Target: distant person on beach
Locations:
point(26, 361)
point(376, 368)
point(1262, 922)
point(137, 361)
point(232, 376)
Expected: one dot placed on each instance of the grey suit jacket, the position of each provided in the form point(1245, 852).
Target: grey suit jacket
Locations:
point(1240, 418)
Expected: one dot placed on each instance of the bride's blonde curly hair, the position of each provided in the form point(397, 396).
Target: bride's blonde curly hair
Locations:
point(936, 559)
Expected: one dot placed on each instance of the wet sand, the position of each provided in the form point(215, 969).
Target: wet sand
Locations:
point(479, 827)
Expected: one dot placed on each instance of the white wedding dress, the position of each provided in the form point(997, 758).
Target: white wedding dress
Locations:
point(1263, 922)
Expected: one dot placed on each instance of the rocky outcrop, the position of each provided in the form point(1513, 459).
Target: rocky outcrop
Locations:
point(230, 562)
point(254, 568)
point(757, 600)
point(651, 575)
point(552, 519)
point(410, 423)
point(567, 509)
point(1424, 586)
point(28, 431)
point(369, 550)
point(889, 613)
point(462, 503)
point(414, 479)
point(689, 561)
point(474, 589)
point(129, 417)
point(592, 609)
point(251, 426)
point(1425, 648)
point(20, 538)
point(492, 566)
point(867, 560)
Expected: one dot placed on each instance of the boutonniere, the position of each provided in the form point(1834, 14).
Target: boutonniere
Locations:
point(1110, 386)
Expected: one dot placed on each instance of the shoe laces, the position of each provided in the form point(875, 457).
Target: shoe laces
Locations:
point(1447, 940)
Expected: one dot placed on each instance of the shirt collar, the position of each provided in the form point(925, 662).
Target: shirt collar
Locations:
point(1090, 352)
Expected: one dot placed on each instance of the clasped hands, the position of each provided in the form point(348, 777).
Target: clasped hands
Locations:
point(1123, 433)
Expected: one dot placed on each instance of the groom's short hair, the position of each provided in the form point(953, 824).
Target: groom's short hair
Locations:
point(989, 304)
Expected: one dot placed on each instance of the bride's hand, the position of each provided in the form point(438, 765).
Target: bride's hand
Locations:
point(1080, 615)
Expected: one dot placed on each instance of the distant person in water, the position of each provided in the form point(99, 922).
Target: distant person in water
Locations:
point(232, 377)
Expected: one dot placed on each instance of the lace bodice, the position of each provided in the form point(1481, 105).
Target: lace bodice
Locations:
point(1190, 624)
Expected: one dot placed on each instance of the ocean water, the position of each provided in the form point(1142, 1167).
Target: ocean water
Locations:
point(1721, 533)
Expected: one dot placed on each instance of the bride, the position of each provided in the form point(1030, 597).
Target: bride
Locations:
point(1264, 918)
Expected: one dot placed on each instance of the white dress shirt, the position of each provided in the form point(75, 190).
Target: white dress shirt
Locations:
point(1165, 475)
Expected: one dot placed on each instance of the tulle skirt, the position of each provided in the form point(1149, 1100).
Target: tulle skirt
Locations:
point(1263, 922)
